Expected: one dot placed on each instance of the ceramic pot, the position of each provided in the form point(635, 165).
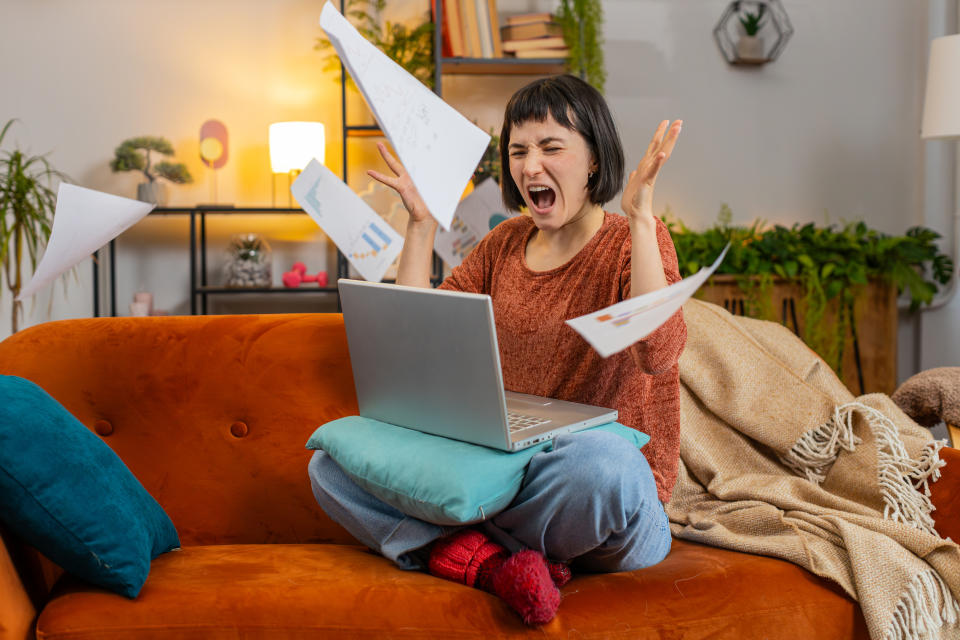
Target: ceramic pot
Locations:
point(750, 49)
point(152, 192)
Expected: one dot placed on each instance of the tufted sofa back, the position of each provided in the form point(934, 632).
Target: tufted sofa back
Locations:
point(211, 413)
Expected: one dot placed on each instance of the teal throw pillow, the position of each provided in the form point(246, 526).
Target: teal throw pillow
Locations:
point(430, 477)
point(66, 493)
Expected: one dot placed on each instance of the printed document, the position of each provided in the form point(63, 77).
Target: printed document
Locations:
point(367, 241)
point(83, 221)
point(613, 329)
point(476, 215)
point(438, 147)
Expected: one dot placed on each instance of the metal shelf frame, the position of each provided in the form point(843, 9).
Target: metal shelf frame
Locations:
point(200, 288)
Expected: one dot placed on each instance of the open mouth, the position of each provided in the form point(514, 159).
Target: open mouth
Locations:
point(542, 198)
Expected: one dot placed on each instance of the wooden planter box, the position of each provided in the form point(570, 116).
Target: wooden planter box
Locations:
point(875, 312)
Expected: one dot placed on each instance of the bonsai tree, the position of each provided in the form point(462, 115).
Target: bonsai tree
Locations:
point(134, 155)
point(27, 204)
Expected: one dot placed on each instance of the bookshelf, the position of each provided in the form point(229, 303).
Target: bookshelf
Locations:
point(484, 66)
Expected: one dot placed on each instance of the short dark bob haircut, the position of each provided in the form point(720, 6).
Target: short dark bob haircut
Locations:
point(576, 105)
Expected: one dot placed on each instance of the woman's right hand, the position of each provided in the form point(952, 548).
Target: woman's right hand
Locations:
point(403, 185)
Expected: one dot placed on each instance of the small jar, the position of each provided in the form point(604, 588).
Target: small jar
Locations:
point(248, 262)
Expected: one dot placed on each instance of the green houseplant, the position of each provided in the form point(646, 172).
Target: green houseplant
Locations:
point(582, 23)
point(134, 155)
point(751, 21)
point(750, 45)
point(411, 48)
point(27, 205)
point(489, 166)
point(832, 264)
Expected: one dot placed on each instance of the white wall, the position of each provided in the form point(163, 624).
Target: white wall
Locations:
point(828, 131)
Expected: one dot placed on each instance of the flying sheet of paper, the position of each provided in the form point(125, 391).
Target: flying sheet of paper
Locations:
point(476, 215)
point(83, 221)
point(456, 244)
point(369, 243)
point(618, 326)
point(438, 147)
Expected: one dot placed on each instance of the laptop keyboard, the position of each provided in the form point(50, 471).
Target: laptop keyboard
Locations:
point(519, 421)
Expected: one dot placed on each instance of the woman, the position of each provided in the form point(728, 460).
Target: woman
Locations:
point(592, 500)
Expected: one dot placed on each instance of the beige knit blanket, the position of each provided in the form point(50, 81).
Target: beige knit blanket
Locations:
point(778, 458)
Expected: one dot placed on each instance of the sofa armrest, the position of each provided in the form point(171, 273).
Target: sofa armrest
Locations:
point(953, 432)
point(945, 495)
point(17, 613)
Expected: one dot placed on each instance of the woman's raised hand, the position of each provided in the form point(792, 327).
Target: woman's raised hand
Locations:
point(403, 185)
point(637, 199)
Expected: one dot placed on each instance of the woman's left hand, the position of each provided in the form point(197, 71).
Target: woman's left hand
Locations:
point(637, 199)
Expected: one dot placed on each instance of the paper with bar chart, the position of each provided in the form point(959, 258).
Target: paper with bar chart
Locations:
point(437, 146)
point(368, 242)
point(476, 215)
point(613, 329)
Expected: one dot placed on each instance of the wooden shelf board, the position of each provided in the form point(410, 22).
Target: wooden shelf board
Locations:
point(353, 132)
point(502, 66)
point(259, 290)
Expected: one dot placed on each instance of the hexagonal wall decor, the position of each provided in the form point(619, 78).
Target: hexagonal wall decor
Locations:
point(753, 32)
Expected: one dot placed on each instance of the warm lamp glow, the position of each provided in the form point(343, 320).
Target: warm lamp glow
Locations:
point(294, 144)
point(210, 150)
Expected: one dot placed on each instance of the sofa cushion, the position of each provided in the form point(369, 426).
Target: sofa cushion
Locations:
point(430, 477)
point(69, 495)
point(337, 591)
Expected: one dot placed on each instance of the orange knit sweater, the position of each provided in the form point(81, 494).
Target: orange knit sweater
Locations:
point(541, 355)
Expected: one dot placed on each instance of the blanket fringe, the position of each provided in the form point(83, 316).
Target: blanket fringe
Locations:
point(900, 478)
point(817, 449)
point(924, 610)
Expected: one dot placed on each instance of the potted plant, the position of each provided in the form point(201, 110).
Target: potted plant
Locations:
point(489, 166)
point(832, 276)
point(248, 262)
point(411, 48)
point(750, 45)
point(134, 155)
point(582, 23)
point(27, 205)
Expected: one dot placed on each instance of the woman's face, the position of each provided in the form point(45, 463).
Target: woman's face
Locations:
point(550, 165)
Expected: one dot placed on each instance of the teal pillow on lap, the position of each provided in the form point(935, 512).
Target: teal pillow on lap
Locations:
point(65, 492)
point(433, 478)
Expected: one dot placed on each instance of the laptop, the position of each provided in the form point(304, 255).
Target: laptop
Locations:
point(427, 359)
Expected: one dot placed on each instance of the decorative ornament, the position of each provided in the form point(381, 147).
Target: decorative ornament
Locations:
point(753, 32)
point(214, 149)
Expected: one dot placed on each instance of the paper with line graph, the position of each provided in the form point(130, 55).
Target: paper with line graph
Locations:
point(368, 242)
point(438, 147)
point(613, 329)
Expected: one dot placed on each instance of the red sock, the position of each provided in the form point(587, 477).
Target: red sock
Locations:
point(559, 572)
point(524, 583)
point(465, 556)
point(523, 580)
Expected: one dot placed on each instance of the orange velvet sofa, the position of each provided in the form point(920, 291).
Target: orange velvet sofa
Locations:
point(211, 413)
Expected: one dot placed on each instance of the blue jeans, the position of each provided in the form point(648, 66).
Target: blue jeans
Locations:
point(591, 500)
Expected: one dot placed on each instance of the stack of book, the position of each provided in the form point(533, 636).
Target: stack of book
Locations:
point(471, 29)
point(533, 35)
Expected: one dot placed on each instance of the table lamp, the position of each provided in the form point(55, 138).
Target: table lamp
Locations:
point(941, 120)
point(292, 146)
point(213, 149)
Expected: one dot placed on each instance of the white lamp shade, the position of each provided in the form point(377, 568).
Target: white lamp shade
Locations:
point(294, 144)
point(941, 106)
